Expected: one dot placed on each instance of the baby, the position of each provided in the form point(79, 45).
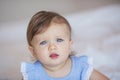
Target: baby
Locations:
point(49, 39)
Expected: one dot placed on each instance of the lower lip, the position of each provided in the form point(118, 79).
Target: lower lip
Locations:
point(54, 56)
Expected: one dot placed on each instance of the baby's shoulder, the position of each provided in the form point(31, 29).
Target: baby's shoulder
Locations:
point(28, 66)
point(83, 59)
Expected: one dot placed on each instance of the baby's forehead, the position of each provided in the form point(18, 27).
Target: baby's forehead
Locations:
point(55, 31)
point(44, 29)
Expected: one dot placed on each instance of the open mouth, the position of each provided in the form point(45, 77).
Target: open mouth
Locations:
point(54, 56)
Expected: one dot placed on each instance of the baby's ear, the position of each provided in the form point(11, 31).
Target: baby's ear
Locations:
point(31, 49)
point(71, 42)
point(33, 55)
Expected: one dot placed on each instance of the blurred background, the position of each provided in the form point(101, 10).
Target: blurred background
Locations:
point(95, 24)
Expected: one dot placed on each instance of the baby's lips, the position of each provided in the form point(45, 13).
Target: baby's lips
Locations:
point(54, 55)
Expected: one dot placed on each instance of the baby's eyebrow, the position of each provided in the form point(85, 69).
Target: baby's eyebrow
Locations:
point(41, 39)
point(60, 36)
point(37, 39)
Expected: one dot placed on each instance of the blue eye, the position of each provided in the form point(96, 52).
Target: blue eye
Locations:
point(60, 40)
point(43, 42)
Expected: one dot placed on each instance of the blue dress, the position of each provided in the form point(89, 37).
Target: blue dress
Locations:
point(81, 70)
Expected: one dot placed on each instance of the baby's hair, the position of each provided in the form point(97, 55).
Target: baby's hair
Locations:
point(41, 21)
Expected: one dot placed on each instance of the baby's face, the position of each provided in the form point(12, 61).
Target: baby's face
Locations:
point(53, 46)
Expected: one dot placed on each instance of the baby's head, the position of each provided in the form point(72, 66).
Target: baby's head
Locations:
point(48, 30)
point(41, 21)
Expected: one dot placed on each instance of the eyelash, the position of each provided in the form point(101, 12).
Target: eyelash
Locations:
point(43, 42)
point(59, 40)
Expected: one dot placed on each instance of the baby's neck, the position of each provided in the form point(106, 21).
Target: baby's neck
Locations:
point(60, 71)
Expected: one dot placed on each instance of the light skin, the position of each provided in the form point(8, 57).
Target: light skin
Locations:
point(53, 47)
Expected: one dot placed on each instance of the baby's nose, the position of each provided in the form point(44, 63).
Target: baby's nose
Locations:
point(52, 46)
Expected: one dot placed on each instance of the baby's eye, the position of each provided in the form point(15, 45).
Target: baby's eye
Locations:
point(60, 40)
point(43, 42)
